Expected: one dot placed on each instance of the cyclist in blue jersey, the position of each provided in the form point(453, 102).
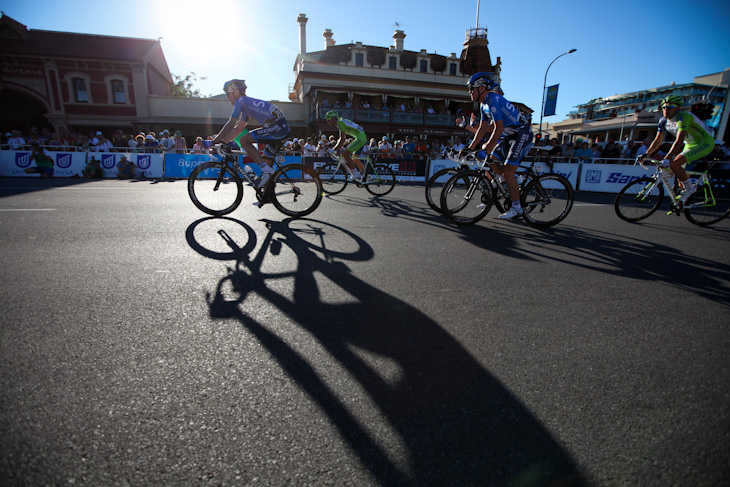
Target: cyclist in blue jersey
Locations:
point(273, 130)
point(510, 134)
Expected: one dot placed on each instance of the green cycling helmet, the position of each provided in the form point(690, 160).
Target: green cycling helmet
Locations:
point(332, 114)
point(672, 100)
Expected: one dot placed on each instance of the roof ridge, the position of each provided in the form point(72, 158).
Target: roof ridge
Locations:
point(90, 35)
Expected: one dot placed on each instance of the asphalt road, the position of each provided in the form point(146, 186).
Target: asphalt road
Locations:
point(143, 343)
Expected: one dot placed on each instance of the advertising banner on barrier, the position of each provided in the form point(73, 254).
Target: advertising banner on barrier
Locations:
point(404, 169)
point(70, 164)
point(609, 178)
point(150, 164)
point(65, 164)
point(181, 165)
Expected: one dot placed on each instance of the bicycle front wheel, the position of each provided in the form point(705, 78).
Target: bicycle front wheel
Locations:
point(215, 188)
point(639, 199)
point(547, 199)
point(436, 184)
point(709, 205)
point(334, 179)
point(380, 179)
point(295, 190)
point(466, 198)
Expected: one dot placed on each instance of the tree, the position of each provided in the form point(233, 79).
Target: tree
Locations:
point(184, 86)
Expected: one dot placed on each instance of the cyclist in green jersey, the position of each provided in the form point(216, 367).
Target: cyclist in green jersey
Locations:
point(692, 141)
point(348, 127)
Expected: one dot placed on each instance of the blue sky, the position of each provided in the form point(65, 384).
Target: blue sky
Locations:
point(622, 46)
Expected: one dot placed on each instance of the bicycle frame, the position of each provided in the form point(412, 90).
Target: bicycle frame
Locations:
point(703, 182)
point(367, 162)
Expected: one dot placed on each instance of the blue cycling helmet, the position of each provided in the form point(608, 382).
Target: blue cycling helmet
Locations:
point(483, 78)
point(234, 84)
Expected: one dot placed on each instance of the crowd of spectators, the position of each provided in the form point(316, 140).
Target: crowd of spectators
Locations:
point(396, 107)
point(409, 147)
point(96, 141)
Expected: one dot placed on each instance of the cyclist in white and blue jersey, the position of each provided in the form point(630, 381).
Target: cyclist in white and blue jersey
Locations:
point(510, 134)
point(273, 130)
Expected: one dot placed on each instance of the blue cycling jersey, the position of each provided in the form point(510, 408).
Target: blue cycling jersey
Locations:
point(496, 107)
point(262, 111)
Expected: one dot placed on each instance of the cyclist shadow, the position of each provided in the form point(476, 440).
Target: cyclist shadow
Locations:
point(459, 424)
point(612, 254)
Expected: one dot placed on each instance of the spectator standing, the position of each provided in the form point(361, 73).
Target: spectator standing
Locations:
point(421, 146)
point(16, 141)
point(610, 151)
point(167, 144)
point(458, 144)
point(199, 147)
point(644, 147)
point(181, 146)
point(596, 151)
point(569, 152)
point(67, 140)
point(150, 143)
point(584, 153)
point(409, 147)
point(555, 150)
point(385, 147)
point(118, 141)
point(309, 148)
point(103, 144)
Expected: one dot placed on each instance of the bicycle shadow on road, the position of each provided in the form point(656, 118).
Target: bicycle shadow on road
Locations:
point(608, 253)
point(458, 423)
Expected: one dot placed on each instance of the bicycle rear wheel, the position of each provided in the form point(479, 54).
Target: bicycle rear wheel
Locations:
point(334, 180)
point(547, 199)
point(639, 199)
point(295, 190)
point(215, 188)
point(436, 184)
point(709, 205)
point(466, 198)
point(380, 179)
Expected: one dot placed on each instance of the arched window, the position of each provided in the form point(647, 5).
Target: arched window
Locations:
point(119, 94)
point(80, 90)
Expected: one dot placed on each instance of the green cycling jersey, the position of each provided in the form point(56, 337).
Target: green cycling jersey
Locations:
point(697, 143)
point(356, 131)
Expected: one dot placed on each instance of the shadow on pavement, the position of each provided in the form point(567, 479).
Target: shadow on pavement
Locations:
point(459, 425)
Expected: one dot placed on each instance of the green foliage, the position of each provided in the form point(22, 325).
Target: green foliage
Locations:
point(185, 86)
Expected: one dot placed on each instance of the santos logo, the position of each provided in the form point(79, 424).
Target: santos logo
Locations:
point(144, 162)
point(108, 161)
point(22, 159)
point(63, 161)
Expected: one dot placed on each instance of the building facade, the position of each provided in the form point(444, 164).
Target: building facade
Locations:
point(77, 81)
point(634, 116)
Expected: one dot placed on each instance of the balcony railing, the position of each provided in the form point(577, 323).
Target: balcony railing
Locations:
point(392, 117)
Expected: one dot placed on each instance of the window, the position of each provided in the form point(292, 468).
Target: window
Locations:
point(359, 59)
point(391, 62)
point(424, 65)
point(80, 90)
point(452, 69)
point(118, 93)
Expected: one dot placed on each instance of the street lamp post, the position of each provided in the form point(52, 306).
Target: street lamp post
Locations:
point(544, 83)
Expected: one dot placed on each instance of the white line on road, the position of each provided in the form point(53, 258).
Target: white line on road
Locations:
point(28, 209)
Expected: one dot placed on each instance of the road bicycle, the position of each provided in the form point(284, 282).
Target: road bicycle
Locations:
point(216, 187)
point(436, 183)
point(377, 178)
point(546, 198)
point(641, 197)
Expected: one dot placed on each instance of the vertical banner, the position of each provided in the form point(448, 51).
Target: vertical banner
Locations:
point(551, 100)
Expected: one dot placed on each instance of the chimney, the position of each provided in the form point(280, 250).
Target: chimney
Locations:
point(302, 19)
point(328, 40)
point(398, 37)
